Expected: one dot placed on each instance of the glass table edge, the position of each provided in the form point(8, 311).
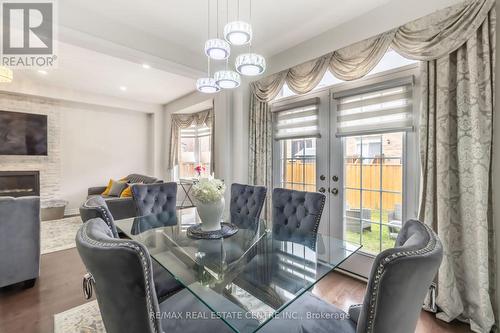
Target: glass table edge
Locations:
point(304, 290)
point(351, 247)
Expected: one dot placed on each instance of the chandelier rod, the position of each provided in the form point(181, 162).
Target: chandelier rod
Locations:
point(250, 22)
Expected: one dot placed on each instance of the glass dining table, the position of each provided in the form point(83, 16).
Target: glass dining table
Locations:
point(246, 279)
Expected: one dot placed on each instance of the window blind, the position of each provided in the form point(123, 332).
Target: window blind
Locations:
point(382, 108)
point(195, 132)
point(296, 120)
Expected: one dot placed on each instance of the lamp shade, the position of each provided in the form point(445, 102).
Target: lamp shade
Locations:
point(238, 32)
point(207, 85)
point(227, 79)
point(250, 64)
point(217, 49)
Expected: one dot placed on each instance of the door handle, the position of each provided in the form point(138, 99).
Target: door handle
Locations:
point(322, 190)
point(335, 191)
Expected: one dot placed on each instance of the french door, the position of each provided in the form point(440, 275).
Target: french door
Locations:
point(364, 175)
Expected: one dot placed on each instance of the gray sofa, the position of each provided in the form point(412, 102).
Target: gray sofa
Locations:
point(19, 240)
point(122, 208)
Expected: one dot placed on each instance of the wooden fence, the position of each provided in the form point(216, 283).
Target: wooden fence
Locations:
point(305, 172)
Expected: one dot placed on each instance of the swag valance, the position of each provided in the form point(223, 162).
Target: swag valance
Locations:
point(186, 120)
point(428, 38)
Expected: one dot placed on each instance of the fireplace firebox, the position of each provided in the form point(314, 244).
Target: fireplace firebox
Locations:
point(19, 183)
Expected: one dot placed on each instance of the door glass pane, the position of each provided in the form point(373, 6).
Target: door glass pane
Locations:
point(298, 164)
point(373, 186)
point(352, 215)
point(389, 235)
point(371, 238)
point(392, 215)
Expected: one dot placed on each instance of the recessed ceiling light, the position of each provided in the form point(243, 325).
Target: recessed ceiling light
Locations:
point(146, 66)
point(43, 72)
point(123, 88)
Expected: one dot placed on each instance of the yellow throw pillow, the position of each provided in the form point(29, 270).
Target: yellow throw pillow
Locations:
point(127, 193)
point(108, 188)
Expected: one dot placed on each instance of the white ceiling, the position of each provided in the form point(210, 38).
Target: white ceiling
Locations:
point(83, 70)
point(105, 42)
point(277, 24)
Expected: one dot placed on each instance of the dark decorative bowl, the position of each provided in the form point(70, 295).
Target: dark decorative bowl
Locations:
point(226, 230)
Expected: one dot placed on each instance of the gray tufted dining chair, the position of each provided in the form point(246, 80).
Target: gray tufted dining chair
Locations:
point(247, 200)
point(296, 215)
point(121, 273)
point(95, 207)
point(399, 281)
point(154, 198)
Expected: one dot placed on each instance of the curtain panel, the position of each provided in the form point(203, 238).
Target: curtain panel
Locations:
point(455, 148)
point(457, 46)
point(185, 120)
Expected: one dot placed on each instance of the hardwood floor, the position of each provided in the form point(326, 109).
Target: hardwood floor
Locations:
point(343, 291)
point(59, 289)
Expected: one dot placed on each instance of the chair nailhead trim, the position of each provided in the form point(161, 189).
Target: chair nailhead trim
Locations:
point(430, 246)
point(144, 263)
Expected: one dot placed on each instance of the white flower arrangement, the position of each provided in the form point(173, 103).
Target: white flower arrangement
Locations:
point(208, 190)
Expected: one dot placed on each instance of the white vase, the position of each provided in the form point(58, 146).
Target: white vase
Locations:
point(210, 214)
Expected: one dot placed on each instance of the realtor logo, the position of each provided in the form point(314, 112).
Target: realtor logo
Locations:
point(28, 30)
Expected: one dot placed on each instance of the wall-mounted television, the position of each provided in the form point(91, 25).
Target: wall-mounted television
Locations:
point(23, 133)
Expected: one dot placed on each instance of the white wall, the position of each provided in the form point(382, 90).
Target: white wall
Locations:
point(88, 145)
point(99, 143)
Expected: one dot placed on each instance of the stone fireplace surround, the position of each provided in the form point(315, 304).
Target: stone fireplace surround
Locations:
point(48, 166)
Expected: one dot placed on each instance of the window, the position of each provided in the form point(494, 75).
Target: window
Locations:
point(372, 121)
point(296, 127)
point(376, 108)
point(194, 150)
point(298, 164)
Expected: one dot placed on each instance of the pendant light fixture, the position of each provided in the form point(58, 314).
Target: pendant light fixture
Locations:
point(250, 64)
point(207, 84)
point(238, 32)
point(217, 48)
point(227, 79)
point(6, 75)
